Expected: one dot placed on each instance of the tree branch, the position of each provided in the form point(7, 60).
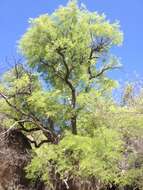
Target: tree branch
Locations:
point(98, 47)
point(65, 78)
point(40, 144)
point(31, 118)
point(102, 71)
point(11, 105)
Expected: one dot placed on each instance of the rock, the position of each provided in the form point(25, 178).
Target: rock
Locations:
point(15, 153)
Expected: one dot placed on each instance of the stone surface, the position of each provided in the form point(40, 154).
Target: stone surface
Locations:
point(14, 156)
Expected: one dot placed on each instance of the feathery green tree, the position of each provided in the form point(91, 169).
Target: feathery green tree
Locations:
point(63, 100)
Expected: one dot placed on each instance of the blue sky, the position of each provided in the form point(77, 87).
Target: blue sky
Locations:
point(14, 15)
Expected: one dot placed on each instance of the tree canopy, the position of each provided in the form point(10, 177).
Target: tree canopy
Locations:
point(66, 47)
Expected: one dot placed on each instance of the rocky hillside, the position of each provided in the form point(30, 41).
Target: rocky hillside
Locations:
point(14, 155)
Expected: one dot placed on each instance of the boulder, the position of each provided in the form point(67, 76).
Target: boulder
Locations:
point(15, 153)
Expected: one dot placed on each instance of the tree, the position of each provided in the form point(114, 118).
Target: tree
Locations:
point(62, 100)
point(65, 48)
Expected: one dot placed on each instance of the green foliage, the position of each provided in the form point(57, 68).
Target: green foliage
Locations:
point(68, 35)
point(106, 149)
point(81, 156)
point(89, 137)
point(71, 51)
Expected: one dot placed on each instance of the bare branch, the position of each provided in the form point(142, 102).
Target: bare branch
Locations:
point(40, 144)
point(31, 118)
point(98, 47)
point(11, 127)
point(102, 71)
point(106, 68)
point(11, 105)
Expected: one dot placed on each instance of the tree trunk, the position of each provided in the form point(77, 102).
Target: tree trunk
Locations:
point(74, 117)
point(73, 123)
